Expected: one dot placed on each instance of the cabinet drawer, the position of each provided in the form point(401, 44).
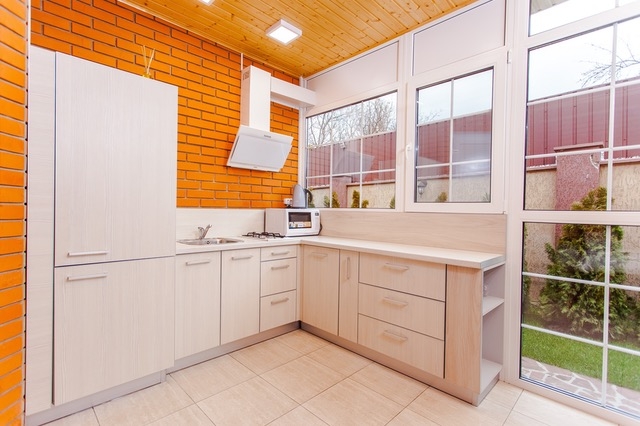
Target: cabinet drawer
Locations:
point(277, 309)
point(280, 252)
point(418, 350)
point(409, 276)
point(278, 276)
point(419, 314)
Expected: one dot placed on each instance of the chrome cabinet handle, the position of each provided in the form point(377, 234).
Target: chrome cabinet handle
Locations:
point(395, 336)
point(394, 302)
point(197, 262)
point(87, 277)
point(396, 267)
point(87, 253)
point(273, 268)
point(241, 257)
point(279, 253)
point(349, 268)
point(317, 254)
point(278, 301)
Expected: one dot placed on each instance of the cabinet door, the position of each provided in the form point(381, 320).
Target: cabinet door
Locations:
point(197, 303)
point(240, 304)
point(115, 168)
point(113, 324)
point(278, 276)
point(348, 304)
point(320, 288)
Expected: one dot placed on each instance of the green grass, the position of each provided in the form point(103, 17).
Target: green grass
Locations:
point(581, 358)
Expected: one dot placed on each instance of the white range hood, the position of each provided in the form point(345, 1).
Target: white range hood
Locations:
point(255, 146)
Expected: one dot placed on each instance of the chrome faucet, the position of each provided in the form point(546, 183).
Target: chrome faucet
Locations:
point(202, 232)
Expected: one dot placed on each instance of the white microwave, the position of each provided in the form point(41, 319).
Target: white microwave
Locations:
point(292, 222)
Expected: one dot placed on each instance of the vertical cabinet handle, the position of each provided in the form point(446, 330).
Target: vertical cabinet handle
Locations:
point(349, 268)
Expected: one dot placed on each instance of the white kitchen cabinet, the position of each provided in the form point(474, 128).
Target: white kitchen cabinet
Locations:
point(197, 303)
point(240, 294)
point(321, 267)
point(278, 286)
point(114, 324)
point(115, 164)
point(348, 298)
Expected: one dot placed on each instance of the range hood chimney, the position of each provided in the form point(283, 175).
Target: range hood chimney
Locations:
point(255, 146)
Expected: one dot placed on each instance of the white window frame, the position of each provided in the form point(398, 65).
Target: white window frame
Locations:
point(496, 60)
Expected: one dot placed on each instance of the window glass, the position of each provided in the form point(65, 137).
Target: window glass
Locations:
point(628, 50)
point(351, 155)
point(453, 140)
point(571, 65)
point(545, 15)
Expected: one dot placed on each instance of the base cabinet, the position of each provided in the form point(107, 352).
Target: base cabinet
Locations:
point(441, 319)
point(278, 286)
point(240, 294)
point(197, 303)
point(320, 287)
point(113, 324)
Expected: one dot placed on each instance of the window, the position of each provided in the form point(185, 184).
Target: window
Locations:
point(454, 140)
point(351, 155)
point(581, 239)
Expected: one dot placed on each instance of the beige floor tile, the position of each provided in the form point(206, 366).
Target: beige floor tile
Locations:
point(265, 356)
point(202, 380)
point(341, 360)
point(302, 341)
point(350, 403)
point(190, 416)
point(553, 413)
point(447, 410)
point(504, 394)
point(517, 419)
point(254, 402)
point(410, 418)
point(298, 417)
point(395, 386)
point(83, 418)
point(302, 378)
point(144, 406)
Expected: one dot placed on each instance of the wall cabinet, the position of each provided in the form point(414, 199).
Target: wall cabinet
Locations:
point(321, 268)
point(197, 324)
point(278, 286)
point(240, 294)
point(115, 325)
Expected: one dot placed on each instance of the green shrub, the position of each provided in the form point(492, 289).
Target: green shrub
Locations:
point(580, 254)
point(334, 200)
point(355, 201)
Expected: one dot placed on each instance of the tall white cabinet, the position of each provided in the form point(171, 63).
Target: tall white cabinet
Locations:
point(107, 138)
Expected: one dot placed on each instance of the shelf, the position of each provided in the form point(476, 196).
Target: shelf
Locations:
point(489, 372)
point(489, 303)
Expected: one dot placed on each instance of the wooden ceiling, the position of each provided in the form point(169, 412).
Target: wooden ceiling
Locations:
point(332, 30)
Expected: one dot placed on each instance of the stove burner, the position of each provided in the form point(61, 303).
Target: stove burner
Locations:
point(263, 235)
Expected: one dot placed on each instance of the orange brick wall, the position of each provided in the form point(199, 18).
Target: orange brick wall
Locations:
point(13, 51)
point(208, 78)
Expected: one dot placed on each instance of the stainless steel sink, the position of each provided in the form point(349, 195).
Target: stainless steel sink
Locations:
point(208, 241)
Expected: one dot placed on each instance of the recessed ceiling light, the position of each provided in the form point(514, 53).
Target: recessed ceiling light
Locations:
point(207, 1)
point(284, 32)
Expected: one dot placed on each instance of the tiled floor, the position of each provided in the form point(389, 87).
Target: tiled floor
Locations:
point(299, 379)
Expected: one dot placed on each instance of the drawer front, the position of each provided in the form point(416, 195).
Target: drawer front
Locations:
point(418, 350)
point(277, 309)
point(277, 276)
point(419, 314)
point(280, 252)
point(424, 279)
